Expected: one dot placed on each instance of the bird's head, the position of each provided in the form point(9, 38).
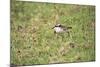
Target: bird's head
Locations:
point(57, 25)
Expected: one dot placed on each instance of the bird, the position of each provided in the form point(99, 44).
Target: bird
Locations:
point(59, 28)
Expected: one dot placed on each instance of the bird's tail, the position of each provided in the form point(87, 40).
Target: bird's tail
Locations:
point(69, 27)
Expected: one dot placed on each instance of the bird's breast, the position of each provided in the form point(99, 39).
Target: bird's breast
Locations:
point(58, 29)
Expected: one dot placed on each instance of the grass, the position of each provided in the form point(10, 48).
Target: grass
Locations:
point(34, 42)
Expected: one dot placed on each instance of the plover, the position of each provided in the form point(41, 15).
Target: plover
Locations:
point(58, 28)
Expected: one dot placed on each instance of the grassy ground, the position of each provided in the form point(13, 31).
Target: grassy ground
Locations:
point(33, 40)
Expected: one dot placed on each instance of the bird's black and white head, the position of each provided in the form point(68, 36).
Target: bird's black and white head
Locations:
point(58, 25)
point(58, 28)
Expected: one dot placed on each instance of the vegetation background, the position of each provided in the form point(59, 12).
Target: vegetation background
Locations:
point(33, 40)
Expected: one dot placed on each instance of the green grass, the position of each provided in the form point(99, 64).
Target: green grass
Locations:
point(33, 40)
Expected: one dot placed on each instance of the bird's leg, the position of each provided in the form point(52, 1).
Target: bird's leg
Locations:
point(55, 34)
